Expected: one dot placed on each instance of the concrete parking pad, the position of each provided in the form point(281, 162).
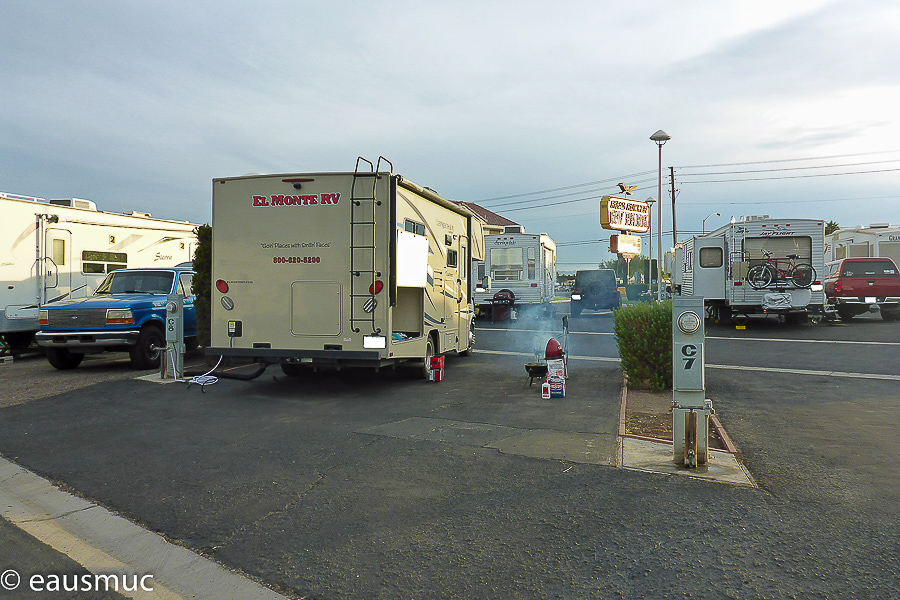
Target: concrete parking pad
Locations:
point(656, 457)
point(586, 448)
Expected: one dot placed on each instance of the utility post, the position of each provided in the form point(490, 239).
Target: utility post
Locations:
point(674, 229)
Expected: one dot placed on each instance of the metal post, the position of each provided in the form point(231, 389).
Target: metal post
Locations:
point(660, 137)
point(674, 228)
point(659, 231)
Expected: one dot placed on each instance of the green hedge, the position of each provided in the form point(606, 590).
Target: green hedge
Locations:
point(644, 336)
point(202, 286)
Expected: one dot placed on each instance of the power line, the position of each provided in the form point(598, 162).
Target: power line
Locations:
point(568, 187)
point(878, 162)
point(765, 162)
point(795, 176)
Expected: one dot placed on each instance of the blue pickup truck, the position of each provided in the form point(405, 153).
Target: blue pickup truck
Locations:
point(125, 313)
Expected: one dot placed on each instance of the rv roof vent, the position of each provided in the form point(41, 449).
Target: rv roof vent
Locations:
point(879, 225)
point(513, 229)
point(74, 203)
point(135, 213)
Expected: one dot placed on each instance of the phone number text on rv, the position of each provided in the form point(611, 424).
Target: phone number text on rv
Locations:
point(308, 260)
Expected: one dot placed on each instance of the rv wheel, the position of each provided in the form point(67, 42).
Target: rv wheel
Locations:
point(426, 366)
point(471, 345)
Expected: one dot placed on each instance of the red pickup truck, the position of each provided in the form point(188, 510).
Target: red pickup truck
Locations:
point(857, 285)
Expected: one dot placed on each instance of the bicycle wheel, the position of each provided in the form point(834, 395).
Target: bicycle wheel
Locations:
point(802, 275)
point(760, 277)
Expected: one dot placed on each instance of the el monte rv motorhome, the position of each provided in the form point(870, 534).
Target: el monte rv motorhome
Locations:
point(56, 249)
point(331, 270)
point(719, 266)
point(522, 264)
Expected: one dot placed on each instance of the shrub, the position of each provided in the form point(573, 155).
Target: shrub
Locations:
point(202, 285)
point(644, 337)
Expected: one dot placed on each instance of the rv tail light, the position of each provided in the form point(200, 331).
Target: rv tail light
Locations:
point(222, 286)
point(43, 317)
point(376, 287)
point(119, 316)
point(533, 285)
point(738, 282)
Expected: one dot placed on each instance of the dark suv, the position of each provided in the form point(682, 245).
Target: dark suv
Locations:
point(857, 285)
point(594, 289)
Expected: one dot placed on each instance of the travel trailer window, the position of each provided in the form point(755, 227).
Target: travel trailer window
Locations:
point(779, 248)
point(58, 254)
point(451, 258)
point(507, 264)
point(531, 265)
point(413, 227)
point(711, 258)
point(96, 261)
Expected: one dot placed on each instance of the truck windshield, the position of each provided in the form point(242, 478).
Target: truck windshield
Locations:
point(131, 282)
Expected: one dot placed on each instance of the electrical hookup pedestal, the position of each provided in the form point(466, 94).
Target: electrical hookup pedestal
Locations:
point(171, 364)
point(690, 408)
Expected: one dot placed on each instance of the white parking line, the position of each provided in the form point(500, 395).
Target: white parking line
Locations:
point(879, 376)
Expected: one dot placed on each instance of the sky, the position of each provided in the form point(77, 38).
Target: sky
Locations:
point(534, 110)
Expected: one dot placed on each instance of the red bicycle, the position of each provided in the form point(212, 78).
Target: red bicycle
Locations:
point(775, 272)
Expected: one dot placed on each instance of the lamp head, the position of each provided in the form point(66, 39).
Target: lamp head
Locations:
point(660, 137)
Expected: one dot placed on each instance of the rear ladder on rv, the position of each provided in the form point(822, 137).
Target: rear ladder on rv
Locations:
point(363, 275)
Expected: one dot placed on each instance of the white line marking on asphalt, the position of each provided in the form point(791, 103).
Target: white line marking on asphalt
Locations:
point(880, 376)
point(531, 355)
point(709, 337)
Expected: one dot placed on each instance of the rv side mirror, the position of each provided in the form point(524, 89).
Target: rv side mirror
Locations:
point(486, 283)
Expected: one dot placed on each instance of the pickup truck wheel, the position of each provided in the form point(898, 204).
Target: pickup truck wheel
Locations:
point(62, 359)
point(845, 314)
point(145, 354)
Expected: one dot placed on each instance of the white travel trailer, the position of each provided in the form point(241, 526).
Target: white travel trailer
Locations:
point(521, 264)
point(727, 266)
point(56, 249)
point(878, 239)
point(330, 270)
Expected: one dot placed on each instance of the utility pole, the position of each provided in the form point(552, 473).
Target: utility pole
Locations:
point(674, 229)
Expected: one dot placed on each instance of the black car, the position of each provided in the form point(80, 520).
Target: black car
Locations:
point(594, 289)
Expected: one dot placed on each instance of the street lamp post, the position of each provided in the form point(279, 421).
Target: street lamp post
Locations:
point(660, 137)
point(703, 230)
point(651, 201)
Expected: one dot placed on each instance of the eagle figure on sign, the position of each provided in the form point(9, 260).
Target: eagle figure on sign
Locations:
point(627, 189)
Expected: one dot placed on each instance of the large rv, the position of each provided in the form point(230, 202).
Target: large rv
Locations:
point(756, 266)
point(876, 240)
point(521, 264)
point(333, 270)
point(57, 249)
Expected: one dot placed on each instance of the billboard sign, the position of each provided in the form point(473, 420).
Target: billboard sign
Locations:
point(622, 214)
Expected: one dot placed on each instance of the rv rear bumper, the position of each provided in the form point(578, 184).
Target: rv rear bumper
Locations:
point(274, 355)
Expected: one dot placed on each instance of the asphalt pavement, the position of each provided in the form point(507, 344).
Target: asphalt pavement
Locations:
point(374, 486)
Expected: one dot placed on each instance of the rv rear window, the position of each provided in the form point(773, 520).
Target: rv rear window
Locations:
point(711, 258)
point(778, 248)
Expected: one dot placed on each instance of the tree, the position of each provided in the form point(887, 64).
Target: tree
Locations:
point(831, 227)
point(202, 284)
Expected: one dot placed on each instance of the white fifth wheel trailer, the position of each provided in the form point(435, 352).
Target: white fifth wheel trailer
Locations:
point(333, 270)
point(756, 266)
point(521, 264)
point(57, 249)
